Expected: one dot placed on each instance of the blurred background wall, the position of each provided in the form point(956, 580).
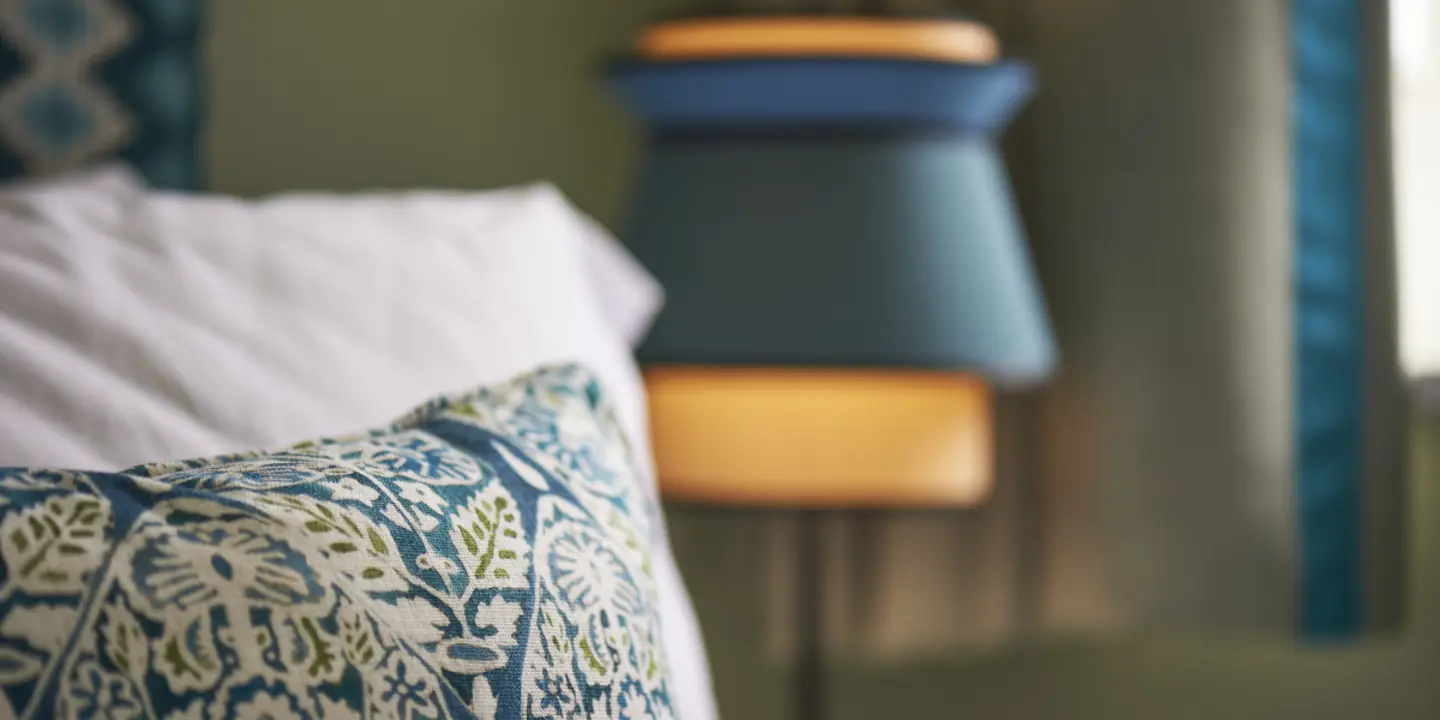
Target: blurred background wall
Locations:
point(344, 94)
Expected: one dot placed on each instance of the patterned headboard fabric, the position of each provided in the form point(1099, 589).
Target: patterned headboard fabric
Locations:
point(83, 81)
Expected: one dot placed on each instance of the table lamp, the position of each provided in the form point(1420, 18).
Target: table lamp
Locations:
point(846, 276)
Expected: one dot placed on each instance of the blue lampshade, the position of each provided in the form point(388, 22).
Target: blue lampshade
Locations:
point(847, 213)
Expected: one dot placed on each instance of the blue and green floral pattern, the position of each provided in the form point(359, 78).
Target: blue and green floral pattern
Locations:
point(483, 557)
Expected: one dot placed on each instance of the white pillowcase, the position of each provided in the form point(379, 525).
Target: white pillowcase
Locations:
point(143, 326)
point(263, 322)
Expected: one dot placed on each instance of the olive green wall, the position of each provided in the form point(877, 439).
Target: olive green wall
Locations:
point(345, 94)
point(350, 94)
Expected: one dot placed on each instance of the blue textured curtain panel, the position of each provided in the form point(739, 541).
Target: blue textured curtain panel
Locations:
point(1327, 112)
point(85, 81)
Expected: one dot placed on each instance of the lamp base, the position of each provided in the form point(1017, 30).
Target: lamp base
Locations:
point(810, 698)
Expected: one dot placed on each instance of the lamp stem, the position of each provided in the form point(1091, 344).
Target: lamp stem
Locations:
point(809, 620)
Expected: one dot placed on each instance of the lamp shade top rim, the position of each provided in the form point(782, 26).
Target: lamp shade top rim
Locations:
point(941, 39)
point(787, 92)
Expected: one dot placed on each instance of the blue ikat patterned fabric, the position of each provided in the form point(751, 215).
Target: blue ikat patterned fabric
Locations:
point(88, 80)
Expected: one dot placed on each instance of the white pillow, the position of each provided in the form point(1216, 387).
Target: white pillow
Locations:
point(76, 199)
point(628, 294)
point(138, 327)
point(264, 322)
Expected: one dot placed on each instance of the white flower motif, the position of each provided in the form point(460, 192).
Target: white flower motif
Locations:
point(593, 632)
point(348, 488)
point(361, 549)
point(526, 472)
point(263, 705)
point(412, 618)
point(260, 473)
point(471, 655)
point(237, 563)
point(45, 627)
point(632, 703)
point(91, 691)
point(483, 703)
point(394, 515)
point(421, 494)
point(38, 479)
point(404, 689)
point(412, 453)
point(150, 485)
point(589, 573)
point(559, 422)
point(337, 710)
point(193, 711)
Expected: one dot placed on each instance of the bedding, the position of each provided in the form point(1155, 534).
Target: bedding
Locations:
point(207, 324)
point(486, 556)
point(140, 325)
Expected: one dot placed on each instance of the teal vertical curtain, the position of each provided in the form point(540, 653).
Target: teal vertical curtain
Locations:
point(1327, 145)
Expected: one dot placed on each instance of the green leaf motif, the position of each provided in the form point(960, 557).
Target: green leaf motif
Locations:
point(17, 666)
point(555, 633)
point(185, 655)
point(487, 532)
point(357, 639)
point(590, 658)
point(470, 543)
point(357, 546)
point(323, 665)
point(125, 642)
point(53, 547)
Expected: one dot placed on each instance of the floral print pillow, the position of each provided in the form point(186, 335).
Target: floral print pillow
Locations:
point(483, 557)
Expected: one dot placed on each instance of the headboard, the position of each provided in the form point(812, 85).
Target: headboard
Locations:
point(82, 81)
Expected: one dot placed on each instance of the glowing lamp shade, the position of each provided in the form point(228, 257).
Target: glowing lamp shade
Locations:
point(845, 273)
point(817, 437)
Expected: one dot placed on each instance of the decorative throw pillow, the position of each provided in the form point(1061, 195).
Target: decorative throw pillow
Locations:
point(486, 556)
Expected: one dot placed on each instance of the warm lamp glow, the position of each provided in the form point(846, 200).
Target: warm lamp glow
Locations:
point(917, 39)
point(810, 437)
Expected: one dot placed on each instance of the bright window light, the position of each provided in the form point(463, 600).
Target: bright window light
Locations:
point(1415, 89)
